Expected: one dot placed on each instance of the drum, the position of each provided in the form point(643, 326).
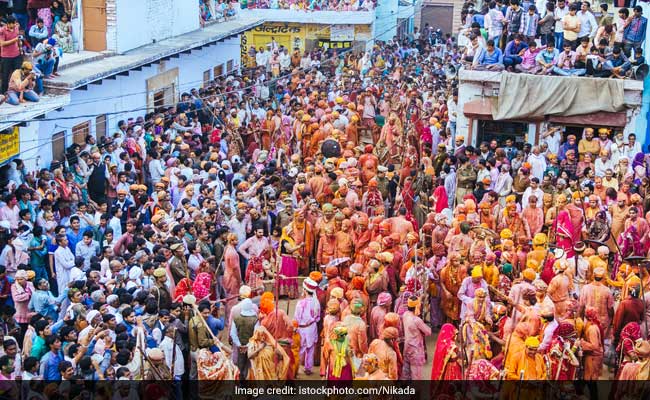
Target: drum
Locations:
point(331, 148)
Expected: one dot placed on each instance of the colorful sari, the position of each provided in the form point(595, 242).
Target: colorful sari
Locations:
point(565, 233)
point(446, 365)
point(287, 282)
point(262, 351)
point(625, 349)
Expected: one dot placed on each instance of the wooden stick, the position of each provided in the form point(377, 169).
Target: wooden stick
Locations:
point(226, 349)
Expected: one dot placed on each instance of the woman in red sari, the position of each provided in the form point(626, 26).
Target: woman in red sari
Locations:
point(564, 233)
point(625, 349)
point(446, 364)
point(440, 198)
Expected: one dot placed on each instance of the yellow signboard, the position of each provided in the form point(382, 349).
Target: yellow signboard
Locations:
point(9, 144)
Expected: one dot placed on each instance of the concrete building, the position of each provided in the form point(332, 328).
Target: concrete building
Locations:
point(135, 67)
point(479, 90)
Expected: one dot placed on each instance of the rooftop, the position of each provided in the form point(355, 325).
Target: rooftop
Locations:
point(87, 67)
point(9, 115)
point(495, 77)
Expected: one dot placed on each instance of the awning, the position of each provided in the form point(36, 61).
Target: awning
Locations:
point(482, 109)
point(613, 119)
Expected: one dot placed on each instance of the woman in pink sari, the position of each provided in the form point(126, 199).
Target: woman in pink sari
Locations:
point(289, 252)
point(446, 364)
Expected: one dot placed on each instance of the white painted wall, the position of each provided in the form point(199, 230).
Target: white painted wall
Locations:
point(386, 19)
point(168, 18)
point(123, 93)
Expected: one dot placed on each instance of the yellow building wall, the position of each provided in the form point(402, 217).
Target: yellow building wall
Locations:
point(291, 36)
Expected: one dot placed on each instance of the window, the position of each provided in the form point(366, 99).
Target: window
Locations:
point(229, 65)
point(206, 78)
point(58, 146)
point(162, 89)
point(100, 127)
point(159, 98)
point(218, 71)
point(79, 133)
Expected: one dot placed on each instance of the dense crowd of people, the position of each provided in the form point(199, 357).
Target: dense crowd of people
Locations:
point(546, 38)
point(339, 184)
point(310, 5)
point(34, 35)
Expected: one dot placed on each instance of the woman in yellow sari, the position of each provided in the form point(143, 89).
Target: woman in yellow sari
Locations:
point(262, 352)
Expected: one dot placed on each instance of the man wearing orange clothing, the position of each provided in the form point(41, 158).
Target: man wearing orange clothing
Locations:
point(560, 288)
point(387, 351)
point(529, 365)
point(327, 247)
point(592, 346)
point(334, 281)
point(378, 313)
point(533, 215)
point(451, 277)
point(332, 316)
point(357, 329)
point(598, 297)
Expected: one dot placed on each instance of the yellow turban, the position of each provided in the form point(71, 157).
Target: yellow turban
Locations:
point(413, 303)
point(477, 272)
point(529, 274)
point(539, 239)
point(511, 198)
point(506, 234)
point(532, 342)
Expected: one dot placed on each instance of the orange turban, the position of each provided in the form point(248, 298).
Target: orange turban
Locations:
point(316, 276)
point(391, 319)
point(266, 305)
point(331, 272)
point(358, 283)
point(389, 333)
point(267, 295)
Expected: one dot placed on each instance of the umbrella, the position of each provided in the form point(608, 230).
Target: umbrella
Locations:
point(337, 261)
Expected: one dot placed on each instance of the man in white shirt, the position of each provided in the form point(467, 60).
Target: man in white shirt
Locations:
point(285, 60)
point(603, 163)
point(552, 138)
point(588, 24)
point(560, 11)
point(63, 262)
point(533, 189)
point(633, 147)
point(156, 168)
point(262, 58)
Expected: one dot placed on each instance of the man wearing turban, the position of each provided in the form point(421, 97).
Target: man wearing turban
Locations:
point(415, 332)
point(308, 314)
point(529, 365)
point(387, 351)
point(357, 330)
